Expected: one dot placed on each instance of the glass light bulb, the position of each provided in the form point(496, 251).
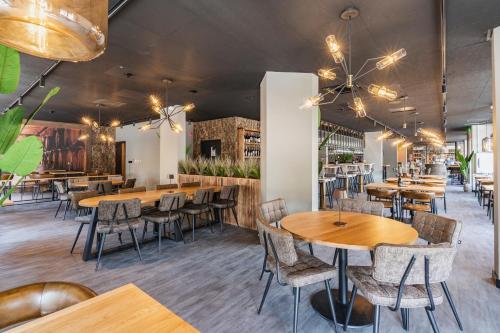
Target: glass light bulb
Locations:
point(398, 141)
point(383, 92)
point(359, 107)
point(110, 138)
point(145, 127)
point(177, 128)
point(154, 100)
point(334, 48)
point(189, 107)
point(312, 101)
point(83, 137)
point(115, 123)
point(327, 73)
point(86, 120)
point(390, 59)
point(384, 135)
point(406, 145)
point(103, 137)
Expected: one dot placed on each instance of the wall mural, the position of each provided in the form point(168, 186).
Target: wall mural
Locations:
point(62, 149)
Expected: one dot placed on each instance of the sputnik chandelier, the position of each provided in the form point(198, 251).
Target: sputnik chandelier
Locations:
point(166, 112)
point(351, 80)
point(98, 129)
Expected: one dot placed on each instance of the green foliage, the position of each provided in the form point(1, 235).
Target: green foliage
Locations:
point(220, 168)
point(23, 156)
point(10, 70)
point(54, 91)
point(464, 162)
point(10, 127)
point(346, 158)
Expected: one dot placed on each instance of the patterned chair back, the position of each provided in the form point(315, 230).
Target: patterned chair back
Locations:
point(118, 210)
point(203, 196)
point(172, 201)
point(59, 187)
point(103, 187)
point(77, 196)
point(230, 192)
point(437, 229)
point(361, 206)
point(132, 190)
point(279, 239)
point(391, 262)
point(380, 193)
point(129, 183)
point(274, 211)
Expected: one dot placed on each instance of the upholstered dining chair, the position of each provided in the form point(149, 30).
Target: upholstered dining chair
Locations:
point(102, 186)
point(292, 267)
point(359, 206)
point(129, 183)
point(437, 229)
point(228, 199)
point(200, 205)
point(132, 189)
point(82, 213)
point(386, 197)
point(272, 212)
point(36, 300)
point(166, 186)
point(63, 197)
point(403, 277)
point(167, 213)
point(117, 216)
point(413, 201)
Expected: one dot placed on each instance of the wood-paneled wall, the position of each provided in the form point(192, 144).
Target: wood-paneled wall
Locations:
point(248, 199)
point(224, 129)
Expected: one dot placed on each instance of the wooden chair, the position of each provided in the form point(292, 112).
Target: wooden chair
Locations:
point(82, 213)
point(438, 194)
point(386, 197)
point(413, 201)
point(63, 196)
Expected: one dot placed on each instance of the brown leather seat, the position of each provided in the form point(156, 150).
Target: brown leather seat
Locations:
point(39, 299)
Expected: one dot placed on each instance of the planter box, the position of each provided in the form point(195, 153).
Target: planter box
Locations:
point(248, 198)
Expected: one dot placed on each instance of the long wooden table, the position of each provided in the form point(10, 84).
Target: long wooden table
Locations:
point(126, 309)
point(147, 198)
point(418, 180)
point(86, 183)
point(410, 187)
point(360, 232)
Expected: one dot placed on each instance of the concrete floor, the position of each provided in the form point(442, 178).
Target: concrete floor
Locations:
point(213, 282)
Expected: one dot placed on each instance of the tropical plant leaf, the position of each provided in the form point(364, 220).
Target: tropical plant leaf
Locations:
point(52, 93)
point(325, 140)
point(10, 191)
point(10, 69)
point(23, 157)
point(10, 127)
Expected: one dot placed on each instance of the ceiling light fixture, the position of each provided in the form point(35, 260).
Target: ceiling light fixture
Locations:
point(41, 83)
point(99, 130)
point(398, 141)
point(385, 135)
point(351, 81)
point(66, 30)
point(166, 112)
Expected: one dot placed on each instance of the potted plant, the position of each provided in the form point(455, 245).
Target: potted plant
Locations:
point(464, 162)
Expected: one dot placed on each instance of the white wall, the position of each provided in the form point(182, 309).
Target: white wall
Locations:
point(373, 153)
point(143, 149)
point(172, 148)
point(289, 148)
point(390, 156)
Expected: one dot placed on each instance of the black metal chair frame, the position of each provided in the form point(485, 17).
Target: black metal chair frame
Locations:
point(296, 290)
point(233, 208)
point(206, 196)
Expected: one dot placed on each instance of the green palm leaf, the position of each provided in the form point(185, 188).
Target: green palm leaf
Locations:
point(23, 156)
point(10, 69)
point(10, 126)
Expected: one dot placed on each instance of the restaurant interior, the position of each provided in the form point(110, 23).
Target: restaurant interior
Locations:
point(249, 166)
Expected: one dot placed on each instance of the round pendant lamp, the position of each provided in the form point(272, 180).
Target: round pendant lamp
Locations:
point(69, 30)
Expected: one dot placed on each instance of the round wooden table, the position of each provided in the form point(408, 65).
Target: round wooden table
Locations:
point(361, 232)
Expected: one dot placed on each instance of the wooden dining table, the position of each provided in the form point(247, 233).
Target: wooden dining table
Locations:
point(360, 232)
point(85, 184)
point(407, 187)
point(126, 309)
point(417, 180)
point(147, 198)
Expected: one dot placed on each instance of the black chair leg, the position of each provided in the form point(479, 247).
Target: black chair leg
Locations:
point(179, 227)
point(221, 218)
point(263, 267)
point(311, 250)
point(296, 309)
point(159, 239)
point(376, 318)
point(66, 209)
point(452, 304)
point(372, 256)
point(144, 231)
point(233, 209)
point(194, 223)
point(349, 309)
point(77, 235)
point(405, 315)
point(101, 246)
point(330, 303)
point(120, 238)
point(337, 251)
point(134, 237)
point(58, 208)
point(432, 320)
point(444, 202)
point(269, 279)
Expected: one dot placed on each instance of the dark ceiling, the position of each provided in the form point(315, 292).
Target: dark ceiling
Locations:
point(222, 48)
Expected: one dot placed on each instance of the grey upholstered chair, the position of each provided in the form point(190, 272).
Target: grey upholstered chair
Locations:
point(272, 212)
point(437, 229)
point(168, 212)
point(402, 278)
point(228, 199)
point(117, 216)
point(386, 197)
point(295, 268)
point(82, 213)
point(129, 183)
point(200, 205)
point(132, 189)
point(62, 194)
point(166, 187)
point(101, 186)
point(191, 184)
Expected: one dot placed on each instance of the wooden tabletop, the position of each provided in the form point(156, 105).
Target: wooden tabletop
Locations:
point(487, 188)
point(362, 231)
point(148, 197)
point(66, 173)
point(410, 187)
point(114, 182)
point(433, 177)
point(419, 180)
point(126, 309)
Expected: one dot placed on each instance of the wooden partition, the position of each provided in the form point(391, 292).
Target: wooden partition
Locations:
point(248, 199)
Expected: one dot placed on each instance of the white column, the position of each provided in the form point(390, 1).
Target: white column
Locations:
point(495, 48)
point(373, 153)
point(172, 148)
point(289, 148)
point(390, 156)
